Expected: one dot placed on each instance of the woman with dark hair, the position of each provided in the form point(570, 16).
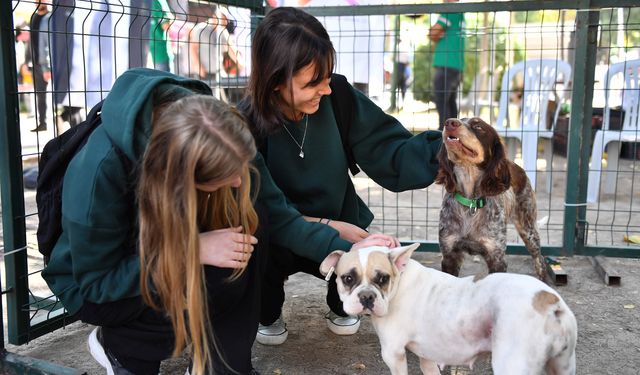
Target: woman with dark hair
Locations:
point(291, 113)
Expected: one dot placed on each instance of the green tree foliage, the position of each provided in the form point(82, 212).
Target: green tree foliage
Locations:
point(610, 27)
point(422, 73)
point(537, 16)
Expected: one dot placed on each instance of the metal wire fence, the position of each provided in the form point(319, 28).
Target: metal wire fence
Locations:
point(58, 62)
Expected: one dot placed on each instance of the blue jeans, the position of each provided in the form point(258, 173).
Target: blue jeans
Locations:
point(445, 88)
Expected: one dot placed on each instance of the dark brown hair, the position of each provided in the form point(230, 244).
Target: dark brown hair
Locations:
point(285, 41)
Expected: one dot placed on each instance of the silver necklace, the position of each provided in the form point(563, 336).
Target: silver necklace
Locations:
point(304, 135)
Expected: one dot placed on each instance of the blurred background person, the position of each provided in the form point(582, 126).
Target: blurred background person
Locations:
point(40, 66)
point(23, 54)
point(448, 62)
point(161, 19)
point(403, 73)
point(213, 52)
point(232, 64)
point(205, 40)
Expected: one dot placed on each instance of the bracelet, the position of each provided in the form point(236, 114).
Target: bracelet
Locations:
point(328, 221)
point(320, 220)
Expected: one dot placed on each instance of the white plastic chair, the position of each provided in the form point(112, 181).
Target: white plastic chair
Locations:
point(621, 87)
point(540, 79)
point(480, 95)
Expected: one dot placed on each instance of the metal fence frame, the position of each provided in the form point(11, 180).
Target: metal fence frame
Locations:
point(21, 328)
point(579, 137)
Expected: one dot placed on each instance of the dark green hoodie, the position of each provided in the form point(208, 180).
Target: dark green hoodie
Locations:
point(96, 257)
point(319, 184)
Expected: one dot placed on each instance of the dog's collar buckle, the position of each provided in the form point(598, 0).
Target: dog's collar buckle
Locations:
point(472, 203)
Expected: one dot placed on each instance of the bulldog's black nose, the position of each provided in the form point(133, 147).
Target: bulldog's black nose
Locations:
point(366, 299)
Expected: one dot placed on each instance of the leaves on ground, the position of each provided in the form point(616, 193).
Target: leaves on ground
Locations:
point(634, 239)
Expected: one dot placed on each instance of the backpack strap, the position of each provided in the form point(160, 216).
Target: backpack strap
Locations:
point(343, 103)
point(261, 145)
point(64, 146)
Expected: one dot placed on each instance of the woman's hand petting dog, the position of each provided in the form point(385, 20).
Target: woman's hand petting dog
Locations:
point(377, 239)
point(349, 232)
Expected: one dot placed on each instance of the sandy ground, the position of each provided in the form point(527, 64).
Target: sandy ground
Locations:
point(608, 320)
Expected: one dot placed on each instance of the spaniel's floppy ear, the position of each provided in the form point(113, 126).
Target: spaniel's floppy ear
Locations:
point(445, 171)
point(497, 177)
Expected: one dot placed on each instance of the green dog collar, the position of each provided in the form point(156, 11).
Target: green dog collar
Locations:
point(473, 204)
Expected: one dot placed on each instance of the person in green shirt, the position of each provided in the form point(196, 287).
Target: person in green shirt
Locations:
point(159, 23)
point(290, 111)
point(448, 62)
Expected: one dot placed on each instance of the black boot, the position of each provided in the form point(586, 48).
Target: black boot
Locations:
point(40, 128)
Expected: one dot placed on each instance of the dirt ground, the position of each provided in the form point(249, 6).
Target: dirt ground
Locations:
point(608, 324)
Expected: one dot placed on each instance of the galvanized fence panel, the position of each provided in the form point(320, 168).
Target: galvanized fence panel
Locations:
point(92, 42)
point(87, 44)
point(497, 36)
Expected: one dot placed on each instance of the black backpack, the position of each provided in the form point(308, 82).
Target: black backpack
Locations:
point(54, 160)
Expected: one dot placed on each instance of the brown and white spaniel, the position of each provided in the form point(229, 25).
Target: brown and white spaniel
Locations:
point(484, 190)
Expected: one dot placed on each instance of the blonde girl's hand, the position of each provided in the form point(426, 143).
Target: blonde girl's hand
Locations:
point(377, 239)
point(226, 248)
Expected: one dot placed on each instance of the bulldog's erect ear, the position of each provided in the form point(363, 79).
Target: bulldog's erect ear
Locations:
point(330, 262)
point(401, 255)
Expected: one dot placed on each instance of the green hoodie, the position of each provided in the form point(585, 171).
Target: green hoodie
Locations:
point(96, 257)
point(319, 184)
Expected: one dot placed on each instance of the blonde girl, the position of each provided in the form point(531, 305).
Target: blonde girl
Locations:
point(160, 235)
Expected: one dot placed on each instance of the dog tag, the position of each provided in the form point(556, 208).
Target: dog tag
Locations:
point(326, 278)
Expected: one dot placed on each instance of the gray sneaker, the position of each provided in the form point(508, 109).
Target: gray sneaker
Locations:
point(342, 325)
point(273, 334)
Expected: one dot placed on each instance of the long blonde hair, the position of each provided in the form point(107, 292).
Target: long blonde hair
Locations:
point(194, 140)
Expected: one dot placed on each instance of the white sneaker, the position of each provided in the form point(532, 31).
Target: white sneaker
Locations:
point(342, 325)
point(274, 334)
point(103, 356)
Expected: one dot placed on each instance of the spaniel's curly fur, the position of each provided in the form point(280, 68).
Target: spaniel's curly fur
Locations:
point(473, 163)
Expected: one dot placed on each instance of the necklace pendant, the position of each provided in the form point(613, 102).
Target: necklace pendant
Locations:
point(301, 154)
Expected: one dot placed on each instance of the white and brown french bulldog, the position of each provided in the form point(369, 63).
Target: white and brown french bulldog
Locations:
point(446, 320)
